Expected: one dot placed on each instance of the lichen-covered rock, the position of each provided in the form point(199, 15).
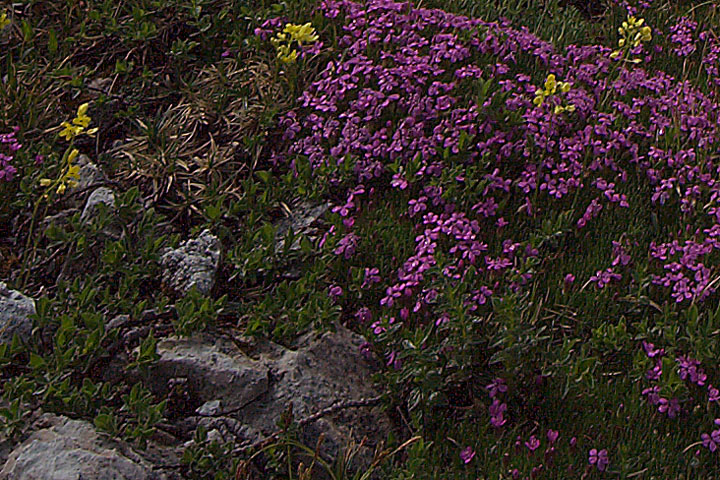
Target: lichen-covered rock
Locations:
point(66, 449)
point(15, 311)
point(194, 263)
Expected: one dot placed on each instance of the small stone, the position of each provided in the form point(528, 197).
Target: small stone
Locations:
point(118, 322)
point(102, 195)
point(210, 409)
point(15, 311)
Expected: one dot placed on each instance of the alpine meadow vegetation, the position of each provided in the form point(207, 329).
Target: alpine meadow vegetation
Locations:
point(523, 221)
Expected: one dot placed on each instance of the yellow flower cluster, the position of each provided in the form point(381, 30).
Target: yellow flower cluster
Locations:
point(69, 177)
point(551, 87)
point(632, 33)
point(78, 125)
point(632, 30)
point(4, 20)
point(293, 33)
point(71, 171)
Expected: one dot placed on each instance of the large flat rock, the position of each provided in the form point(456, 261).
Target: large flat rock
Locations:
point(68, 449)
point(215, 369)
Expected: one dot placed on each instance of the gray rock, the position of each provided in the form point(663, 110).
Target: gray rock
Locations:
point(100, 195)
point(244, 397)
point(300, 221)
point(72, 450)
point(89, 173)
point(15, 310)
point(324, 369)
point(209, 409)
point(215, 369)
point(118, 321)
point(194, 263)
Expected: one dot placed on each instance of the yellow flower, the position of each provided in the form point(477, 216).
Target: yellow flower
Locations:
point(45, 182)
point(82, 120)
point(73, 172)
point(301, 33)
point(4, 20)
point(78, 125)
point(70, 131)
point(72, 156)
point(646, 34)
point(631, 32)
point(293, 33)
point(288, 57)
point(550, 85)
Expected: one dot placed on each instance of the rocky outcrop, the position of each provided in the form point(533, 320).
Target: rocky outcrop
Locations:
point(215, 369)
point(244, 396)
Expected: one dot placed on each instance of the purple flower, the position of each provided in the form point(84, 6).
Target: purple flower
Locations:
point(442, 319)
point(496, 386)
point(347, 246)
point(552, 435)
point(651, 351)
point(670, 407)
point(713, 394)
point(393, 360)
point(497, 409)
point(335, 291)
point(363, 315)
point(372, 275)
point(533, 443)
point(599, 459)
point(467, 455)
point(604, 277)
point(712, 441)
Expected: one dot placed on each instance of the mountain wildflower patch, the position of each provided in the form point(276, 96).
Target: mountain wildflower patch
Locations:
point(442, 110)
point(504, 213)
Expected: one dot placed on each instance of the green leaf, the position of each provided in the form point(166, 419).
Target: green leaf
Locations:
point(52, 42)
point(36, 361)
point(105, 422)
point(27, 31)
point(263, 175)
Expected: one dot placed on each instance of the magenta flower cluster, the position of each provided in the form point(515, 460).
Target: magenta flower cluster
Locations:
point(394, 105)
point(477, 172)
point(688, 369)
point(10, 146)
